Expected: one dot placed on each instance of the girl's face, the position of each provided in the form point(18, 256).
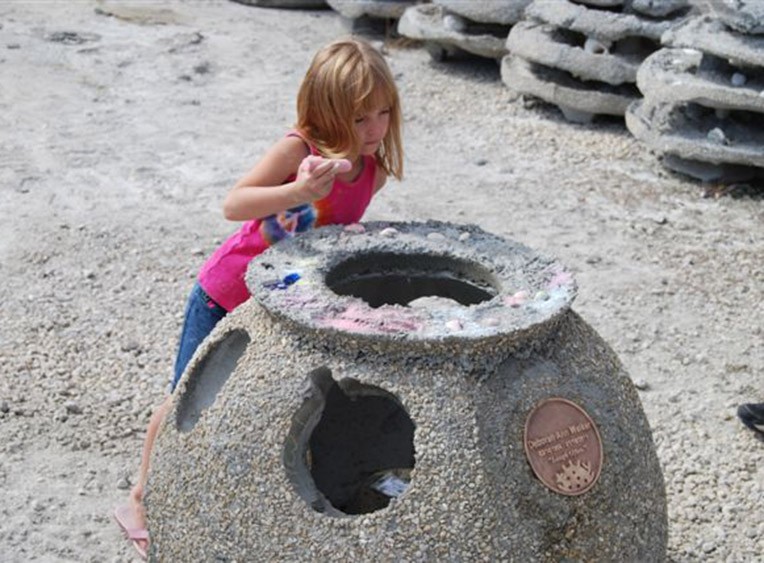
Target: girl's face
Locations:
point(371, 128)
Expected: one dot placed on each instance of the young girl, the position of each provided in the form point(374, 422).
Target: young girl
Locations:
point(346, 143)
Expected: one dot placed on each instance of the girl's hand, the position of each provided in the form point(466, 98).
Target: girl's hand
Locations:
point(316, 175)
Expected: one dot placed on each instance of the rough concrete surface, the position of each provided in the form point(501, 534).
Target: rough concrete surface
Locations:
point(690, 133)
point(560, 88)
point(506, 12)
point(372, 8)
point(595, 22)
point(745, 16)
point(467, 389)
point(433, 23)
point(710, 35)
point(297, 4)
point(122, 126)
point(676, 75)
point(543, 44)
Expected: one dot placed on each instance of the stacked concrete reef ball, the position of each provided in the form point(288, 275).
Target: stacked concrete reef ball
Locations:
point(405, 392)
point(583, 57)
point(296, 4)
point(703, 106)
point(449, 27)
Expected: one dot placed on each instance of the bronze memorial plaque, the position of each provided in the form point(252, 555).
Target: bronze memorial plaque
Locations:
point(563, 446)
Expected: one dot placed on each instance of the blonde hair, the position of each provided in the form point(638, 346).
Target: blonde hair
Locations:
point(348, 78)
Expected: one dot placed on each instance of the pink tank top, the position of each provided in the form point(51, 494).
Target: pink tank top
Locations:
point(222, 275)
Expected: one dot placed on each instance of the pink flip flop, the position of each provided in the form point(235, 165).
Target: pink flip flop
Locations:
point(139, 537)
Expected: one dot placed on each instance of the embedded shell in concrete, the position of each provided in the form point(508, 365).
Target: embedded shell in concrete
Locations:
point(237, 470)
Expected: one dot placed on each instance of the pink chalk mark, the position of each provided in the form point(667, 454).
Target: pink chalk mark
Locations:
point(560, 279)
point(362, 319)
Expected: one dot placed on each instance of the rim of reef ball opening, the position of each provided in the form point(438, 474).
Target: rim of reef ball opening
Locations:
point(410, 281)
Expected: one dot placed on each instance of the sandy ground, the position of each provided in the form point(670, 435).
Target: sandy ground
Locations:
point(123, 125)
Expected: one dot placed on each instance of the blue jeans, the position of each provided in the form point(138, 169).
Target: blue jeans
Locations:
point(202, 314)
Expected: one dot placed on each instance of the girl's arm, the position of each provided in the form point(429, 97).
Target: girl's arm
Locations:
point(261, 192)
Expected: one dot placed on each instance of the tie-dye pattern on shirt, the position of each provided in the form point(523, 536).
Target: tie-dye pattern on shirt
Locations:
point(282, 225)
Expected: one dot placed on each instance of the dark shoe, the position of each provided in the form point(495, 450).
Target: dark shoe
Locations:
point(752, 415)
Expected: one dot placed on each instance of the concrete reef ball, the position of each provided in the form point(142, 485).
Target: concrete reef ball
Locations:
point(288, 4)
point(370, 401)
